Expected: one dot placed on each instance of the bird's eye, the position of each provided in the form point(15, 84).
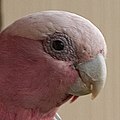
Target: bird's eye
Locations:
point(58, 45)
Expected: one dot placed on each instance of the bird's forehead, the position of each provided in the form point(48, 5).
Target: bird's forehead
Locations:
point(38, 25)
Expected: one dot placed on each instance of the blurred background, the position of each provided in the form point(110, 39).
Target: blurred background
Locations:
point(105, 14)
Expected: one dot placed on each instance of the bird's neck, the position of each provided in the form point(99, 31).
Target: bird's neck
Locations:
point(25, 114)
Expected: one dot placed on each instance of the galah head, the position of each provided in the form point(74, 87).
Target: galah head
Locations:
point(48, 57)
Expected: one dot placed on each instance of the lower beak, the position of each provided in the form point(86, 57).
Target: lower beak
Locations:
point(92, 76)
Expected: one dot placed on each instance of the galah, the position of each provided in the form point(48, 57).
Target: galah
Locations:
point(46, 59)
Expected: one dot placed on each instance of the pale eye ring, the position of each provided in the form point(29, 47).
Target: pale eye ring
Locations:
point(60, 46)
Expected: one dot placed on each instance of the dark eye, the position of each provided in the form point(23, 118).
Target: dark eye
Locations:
point(58, 45)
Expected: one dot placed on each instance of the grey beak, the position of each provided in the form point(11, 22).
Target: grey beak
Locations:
point(92, 76)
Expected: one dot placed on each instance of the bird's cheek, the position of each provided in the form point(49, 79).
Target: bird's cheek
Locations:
point(69, 74)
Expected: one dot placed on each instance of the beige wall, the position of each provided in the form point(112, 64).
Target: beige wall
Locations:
point(104, 14)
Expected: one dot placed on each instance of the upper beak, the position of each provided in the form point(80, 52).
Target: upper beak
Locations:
point(92, 76)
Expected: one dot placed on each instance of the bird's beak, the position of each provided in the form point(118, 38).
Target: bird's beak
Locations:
point(92, 76)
